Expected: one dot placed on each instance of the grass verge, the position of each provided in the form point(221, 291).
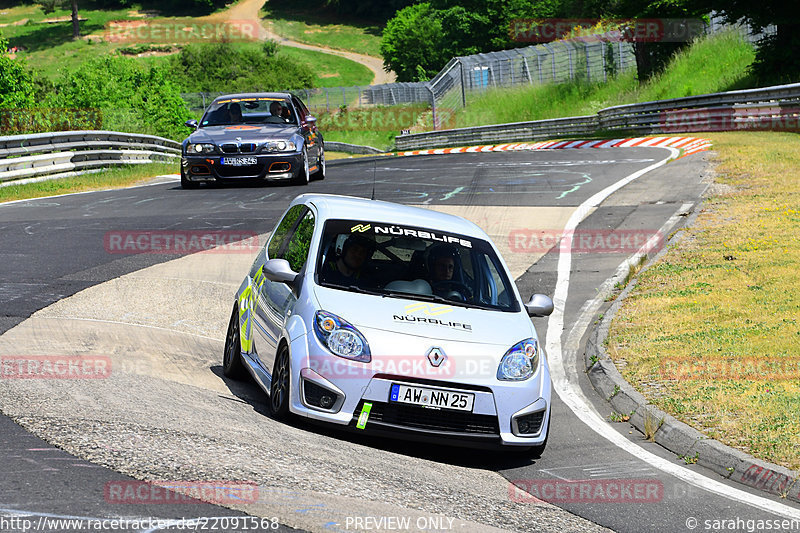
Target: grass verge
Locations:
point(307, 27)
point(330, 70)
point(711, 332)
point(717, 63)
point(373, 126)
point(107, 179)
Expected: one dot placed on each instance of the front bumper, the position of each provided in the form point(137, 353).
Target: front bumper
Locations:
point(498, 407)
point(273, 166)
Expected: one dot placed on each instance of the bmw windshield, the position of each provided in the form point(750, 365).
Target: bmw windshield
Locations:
point(416, 263)
point(254, 110)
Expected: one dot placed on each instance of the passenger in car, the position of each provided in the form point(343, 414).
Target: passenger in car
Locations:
point(346, 269)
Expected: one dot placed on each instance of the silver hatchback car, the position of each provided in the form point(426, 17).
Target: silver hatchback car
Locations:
point(391, 319)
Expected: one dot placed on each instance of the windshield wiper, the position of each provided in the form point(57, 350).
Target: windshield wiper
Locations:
point(351, 288)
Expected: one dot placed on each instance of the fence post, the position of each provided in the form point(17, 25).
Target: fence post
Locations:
point(433, 103)
point(603, 60)
point(344, 98)
point(571, 66)
point(539, 67)
point(463, 84)
point(327, 100)
point(588, 63)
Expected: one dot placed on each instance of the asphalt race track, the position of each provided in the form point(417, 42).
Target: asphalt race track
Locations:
point(164, 412)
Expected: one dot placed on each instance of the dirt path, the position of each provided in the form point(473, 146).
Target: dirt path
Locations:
point(249, 10)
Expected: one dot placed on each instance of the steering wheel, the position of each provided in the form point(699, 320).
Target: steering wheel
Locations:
point(455, 290)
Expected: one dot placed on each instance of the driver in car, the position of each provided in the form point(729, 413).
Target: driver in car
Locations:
point(444, 263)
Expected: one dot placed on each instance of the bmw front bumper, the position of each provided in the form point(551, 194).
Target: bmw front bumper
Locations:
point(273, 166)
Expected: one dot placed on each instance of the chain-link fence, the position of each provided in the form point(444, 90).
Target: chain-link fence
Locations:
point(450, 89)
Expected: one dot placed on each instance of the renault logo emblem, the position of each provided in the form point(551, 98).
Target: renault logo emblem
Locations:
point(436, 356)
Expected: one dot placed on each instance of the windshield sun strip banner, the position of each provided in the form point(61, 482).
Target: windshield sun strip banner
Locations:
point(392, 230)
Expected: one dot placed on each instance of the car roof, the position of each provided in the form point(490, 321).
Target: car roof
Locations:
point(253, 95)
point(349, 207)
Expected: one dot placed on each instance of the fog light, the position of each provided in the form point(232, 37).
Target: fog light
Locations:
point(326, 402)
point(524, 426)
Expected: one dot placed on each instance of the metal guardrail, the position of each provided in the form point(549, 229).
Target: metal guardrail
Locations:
point(70, 153)
point(768, 108)
point(335, 146)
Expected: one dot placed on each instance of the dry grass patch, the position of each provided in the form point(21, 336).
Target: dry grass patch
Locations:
point(711, 333)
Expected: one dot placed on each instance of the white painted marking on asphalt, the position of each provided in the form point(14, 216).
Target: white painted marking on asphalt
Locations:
point(571, 394)
point(131, 324)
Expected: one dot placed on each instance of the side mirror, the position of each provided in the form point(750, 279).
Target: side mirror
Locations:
point(191, 123)
point(539, 305)
point(279, 270)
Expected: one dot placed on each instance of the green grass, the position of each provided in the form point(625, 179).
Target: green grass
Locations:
point(325, 30)
point(711, 332)
point(50, 46)
point(107, 179)
point(330, 70)
point(718, 63)
point(373, 126)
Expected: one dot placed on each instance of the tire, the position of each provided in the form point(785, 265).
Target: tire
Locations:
point(186, 184)
point(279, 388)
point(232, 365)
point(320, 173)
point(302, 176)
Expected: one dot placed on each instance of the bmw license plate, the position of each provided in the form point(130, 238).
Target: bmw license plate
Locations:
point(426, 397)
point(239, 161)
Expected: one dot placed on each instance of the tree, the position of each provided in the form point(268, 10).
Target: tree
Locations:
point(778, 55)
point(423, 37)
point(48, 6)
point(651, 57)
point(412, 44)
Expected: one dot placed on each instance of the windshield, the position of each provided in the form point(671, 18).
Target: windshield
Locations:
point(260, 110)
point(411, 262)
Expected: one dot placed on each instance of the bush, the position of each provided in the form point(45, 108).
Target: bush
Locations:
point(130, 97)
point(16, 83)
point(223, 67)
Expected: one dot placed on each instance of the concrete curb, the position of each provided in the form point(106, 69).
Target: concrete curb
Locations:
point(672, 434)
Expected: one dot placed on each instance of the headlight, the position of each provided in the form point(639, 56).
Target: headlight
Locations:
point(341, 337)
point(200, 148)
point(279, 146)
point(520, 362)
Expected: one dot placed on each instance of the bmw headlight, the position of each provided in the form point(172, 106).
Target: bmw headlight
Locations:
point(341, 337)
point(200, 148)
point(520, 362)
point(279, 146)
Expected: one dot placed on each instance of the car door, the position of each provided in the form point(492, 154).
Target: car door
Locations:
point(291, 241)
point(309, 131)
